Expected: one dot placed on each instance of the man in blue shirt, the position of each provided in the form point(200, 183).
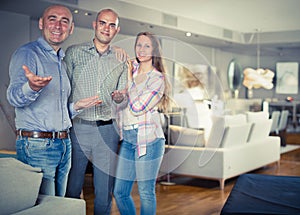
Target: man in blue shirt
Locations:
point(39, 90)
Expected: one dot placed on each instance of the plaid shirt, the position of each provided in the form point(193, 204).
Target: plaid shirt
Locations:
point(142, 104)
point(93, 74)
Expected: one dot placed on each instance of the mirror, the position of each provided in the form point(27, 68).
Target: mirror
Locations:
point(234, 77)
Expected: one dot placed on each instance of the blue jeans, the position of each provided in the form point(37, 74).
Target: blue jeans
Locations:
point(53, 156)
point(99, 145)
point(144, 169)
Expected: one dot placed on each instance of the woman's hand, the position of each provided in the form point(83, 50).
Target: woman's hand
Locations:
point(118, 95)
point(130, 68)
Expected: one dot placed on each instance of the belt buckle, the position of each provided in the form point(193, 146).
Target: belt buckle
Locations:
point(35, 134)
point(58, 134)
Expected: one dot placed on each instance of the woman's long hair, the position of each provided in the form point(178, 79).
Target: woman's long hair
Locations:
point(157, 63)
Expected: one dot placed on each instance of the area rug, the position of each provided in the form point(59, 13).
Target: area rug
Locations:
point(288, 148)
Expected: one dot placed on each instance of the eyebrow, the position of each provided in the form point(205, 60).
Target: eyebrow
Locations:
point(54, 16)
point(110, 23)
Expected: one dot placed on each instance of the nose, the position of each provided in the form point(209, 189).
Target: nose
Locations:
point(142, 48)
point(106, 27)
point(57, 24)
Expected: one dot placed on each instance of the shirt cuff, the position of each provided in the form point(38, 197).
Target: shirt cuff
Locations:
point(30, 93)
point(73, 111)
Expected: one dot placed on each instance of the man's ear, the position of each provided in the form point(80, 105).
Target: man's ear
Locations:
point(72, 28)
point(94, 25)
point(41, 25)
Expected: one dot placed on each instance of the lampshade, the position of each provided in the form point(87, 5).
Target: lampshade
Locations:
point(257, 78)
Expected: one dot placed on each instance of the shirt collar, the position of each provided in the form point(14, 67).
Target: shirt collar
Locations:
point(93, 47)
point(45, 45)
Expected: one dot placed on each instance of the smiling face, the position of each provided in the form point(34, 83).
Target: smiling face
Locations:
point(56, 25)
point(143, 49)
point(106, 27)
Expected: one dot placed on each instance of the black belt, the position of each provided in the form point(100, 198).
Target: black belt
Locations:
point(44, 134)
point(96, 123)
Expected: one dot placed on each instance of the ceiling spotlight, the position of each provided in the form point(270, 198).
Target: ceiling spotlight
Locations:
point(188, 34)
point(88, 14)
point(76, 11)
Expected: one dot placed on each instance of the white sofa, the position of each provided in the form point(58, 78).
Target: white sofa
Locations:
point(19, 192)
point(236, 144)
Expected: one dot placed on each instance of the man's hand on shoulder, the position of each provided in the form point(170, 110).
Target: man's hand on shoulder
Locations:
point(121, 54)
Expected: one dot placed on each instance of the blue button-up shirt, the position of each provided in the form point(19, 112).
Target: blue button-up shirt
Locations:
point(47, 109)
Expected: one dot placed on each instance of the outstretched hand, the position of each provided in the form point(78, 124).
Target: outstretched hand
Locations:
point(36, 82)
point(87, 102)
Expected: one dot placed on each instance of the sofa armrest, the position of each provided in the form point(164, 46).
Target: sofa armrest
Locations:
point(53, 205)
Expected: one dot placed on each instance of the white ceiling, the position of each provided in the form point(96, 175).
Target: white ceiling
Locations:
point(224, 24)
point(237, 15)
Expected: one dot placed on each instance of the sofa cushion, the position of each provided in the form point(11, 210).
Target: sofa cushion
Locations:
point(236, 119)
point(236, 135)
point(257, 116)
point(236, 130)
point(260, 130)
point(186, 136)
point(19, 187)
point(216, 132)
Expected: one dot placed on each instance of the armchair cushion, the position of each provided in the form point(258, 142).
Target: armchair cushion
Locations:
point(19, 185)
